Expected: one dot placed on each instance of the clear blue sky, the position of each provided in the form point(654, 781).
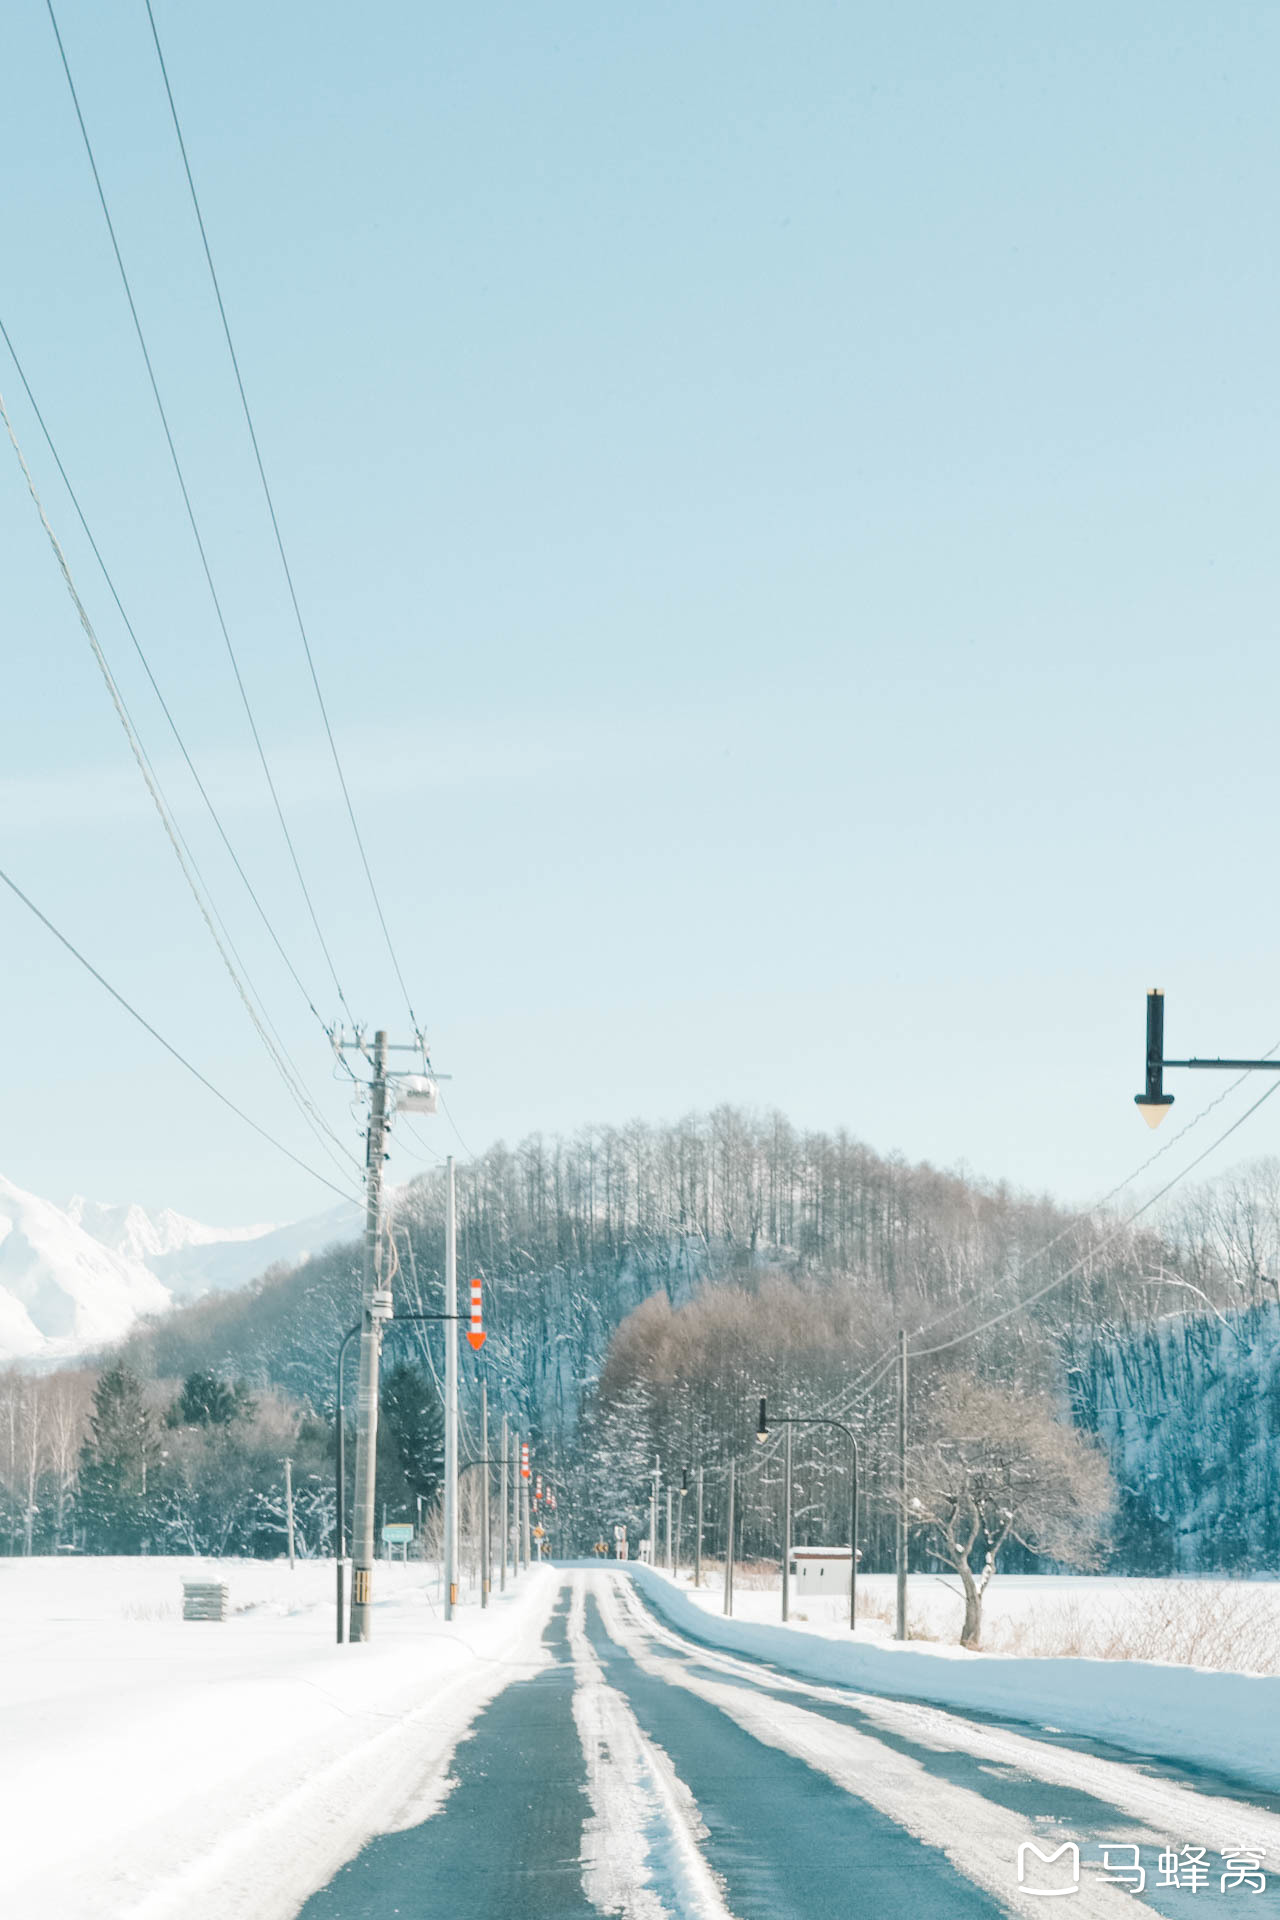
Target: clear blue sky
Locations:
point(784, 499)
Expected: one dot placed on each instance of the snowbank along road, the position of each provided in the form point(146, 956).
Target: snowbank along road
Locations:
point(641, 1773)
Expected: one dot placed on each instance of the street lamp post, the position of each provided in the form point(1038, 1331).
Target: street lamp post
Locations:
point(786, 1525)
point(485, 1567)
point(803, 1420)
point(697, 1545)
point(728, 1551)
point(682, 1491)
point(502, 1510)
point(1153, 1103)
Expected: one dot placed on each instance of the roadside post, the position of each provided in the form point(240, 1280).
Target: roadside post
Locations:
point(502, 1511)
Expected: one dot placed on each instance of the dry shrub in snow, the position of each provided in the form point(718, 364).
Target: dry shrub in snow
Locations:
point(1231, 1628)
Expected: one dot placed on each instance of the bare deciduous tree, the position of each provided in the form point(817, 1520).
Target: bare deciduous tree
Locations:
point(997, 1464)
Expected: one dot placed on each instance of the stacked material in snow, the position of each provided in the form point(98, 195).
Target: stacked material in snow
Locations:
point(204, 1600)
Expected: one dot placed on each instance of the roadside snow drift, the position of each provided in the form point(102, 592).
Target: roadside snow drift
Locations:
point(158, 1769)
point(1227, 1721)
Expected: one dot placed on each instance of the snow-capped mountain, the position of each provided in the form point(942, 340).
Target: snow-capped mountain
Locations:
point(60, 1289)
point(78, 1277)
point(142, 1235)
point(221, 1261)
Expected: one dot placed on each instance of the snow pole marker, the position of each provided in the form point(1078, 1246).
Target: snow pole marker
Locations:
point(476, 1332)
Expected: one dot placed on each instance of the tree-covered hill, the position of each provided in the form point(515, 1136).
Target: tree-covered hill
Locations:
point(571, 1236)
point(644, 1284)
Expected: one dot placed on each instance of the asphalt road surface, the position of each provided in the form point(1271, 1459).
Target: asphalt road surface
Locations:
point(643, 1774)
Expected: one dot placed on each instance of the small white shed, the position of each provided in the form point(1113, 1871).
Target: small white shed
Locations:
point(820, 1570)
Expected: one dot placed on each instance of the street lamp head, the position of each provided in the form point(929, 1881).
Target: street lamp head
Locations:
point(762, 1424)
point(1154, 1103)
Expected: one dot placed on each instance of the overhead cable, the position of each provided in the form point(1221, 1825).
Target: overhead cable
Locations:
point(285, 1068)
point(1020, 1306)
point(275, 522)
point(155, 688)
point(863, 1383)
point(168, 1046)
point(191, 516)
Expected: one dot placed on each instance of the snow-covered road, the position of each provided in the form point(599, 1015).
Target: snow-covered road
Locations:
point(640, 1773)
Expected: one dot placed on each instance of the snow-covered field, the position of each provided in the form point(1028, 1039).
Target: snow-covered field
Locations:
point(1232, 1626)
point(152, 1768)
point(1228, 1720)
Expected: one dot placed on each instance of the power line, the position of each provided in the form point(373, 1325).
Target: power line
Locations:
point(1150, 1160)
point(168, 1045)
point(155, 688)
point(1073, 1224)
point(191, 516)
point(275, 523)
point(288, 1072)
point(453, 1123)
point(864, 1383)
point(1020, 1305)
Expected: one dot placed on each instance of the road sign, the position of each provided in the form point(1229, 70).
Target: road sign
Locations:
point(537, 1533)
point(397, 1533)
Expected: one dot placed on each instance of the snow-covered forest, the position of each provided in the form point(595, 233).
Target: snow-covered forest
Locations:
point(644, 1284)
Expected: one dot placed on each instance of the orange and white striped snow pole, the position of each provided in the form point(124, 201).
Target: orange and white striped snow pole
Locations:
point(475, 1332)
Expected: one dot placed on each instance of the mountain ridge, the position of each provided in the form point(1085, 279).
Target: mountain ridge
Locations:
point(80, 1277)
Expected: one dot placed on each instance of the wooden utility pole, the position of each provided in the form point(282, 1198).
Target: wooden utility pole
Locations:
point(417, 1096)
point(376, 1310)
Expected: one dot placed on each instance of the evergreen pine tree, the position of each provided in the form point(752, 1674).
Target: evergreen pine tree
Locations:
point(616, 1464)
point(411, 1436)
point(206, 1401)
point(118, 1465)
